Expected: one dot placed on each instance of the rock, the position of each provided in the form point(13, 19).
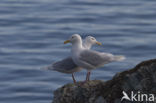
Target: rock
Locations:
point(140, 80)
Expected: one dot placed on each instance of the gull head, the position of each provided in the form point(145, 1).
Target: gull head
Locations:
point(92, 40)
point(75, 38)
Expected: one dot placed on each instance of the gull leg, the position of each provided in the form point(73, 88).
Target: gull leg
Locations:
point(85, 80)
point(87, 76)
point(73, 78)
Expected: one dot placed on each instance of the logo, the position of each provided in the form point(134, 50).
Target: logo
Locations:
point(125, 96)
point(138, 96)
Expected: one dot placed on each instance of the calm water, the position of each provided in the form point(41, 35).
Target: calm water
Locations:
point(32, 34)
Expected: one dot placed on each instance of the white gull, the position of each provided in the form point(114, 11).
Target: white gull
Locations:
point(89, 59)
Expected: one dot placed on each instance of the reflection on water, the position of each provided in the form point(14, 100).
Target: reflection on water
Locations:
point(32, 34)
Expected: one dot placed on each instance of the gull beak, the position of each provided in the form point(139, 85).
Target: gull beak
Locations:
point(67, 41)
point(98, 43)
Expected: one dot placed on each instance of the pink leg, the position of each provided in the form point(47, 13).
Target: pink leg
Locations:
point(89, 76)
point(73, 78)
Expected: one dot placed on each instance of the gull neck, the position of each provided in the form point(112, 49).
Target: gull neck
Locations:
point(87, 45)
point(77, 45)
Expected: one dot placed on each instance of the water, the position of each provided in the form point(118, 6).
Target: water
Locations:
point(32, 34)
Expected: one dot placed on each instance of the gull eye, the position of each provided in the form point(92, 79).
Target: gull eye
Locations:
point(72, 37)
point(92, 38)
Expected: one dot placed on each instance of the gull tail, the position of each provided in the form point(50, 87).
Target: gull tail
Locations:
point(119, 58)
point(50, 67)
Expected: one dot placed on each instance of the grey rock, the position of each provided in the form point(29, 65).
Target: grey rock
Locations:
point(141, 78)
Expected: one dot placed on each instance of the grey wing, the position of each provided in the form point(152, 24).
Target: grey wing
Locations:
point(95, 58)
point(66, 64)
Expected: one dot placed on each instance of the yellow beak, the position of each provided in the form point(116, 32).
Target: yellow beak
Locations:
point(98, 43)
point(67, 41)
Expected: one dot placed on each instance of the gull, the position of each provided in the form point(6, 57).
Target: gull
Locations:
point(89, 59)
point(67, 65)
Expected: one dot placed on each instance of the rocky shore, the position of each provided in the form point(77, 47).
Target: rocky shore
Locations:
point(139, 80)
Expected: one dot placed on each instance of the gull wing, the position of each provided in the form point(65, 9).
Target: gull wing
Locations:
point(95, 58)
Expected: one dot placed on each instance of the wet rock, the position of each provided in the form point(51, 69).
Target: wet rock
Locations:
point(140, 79)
